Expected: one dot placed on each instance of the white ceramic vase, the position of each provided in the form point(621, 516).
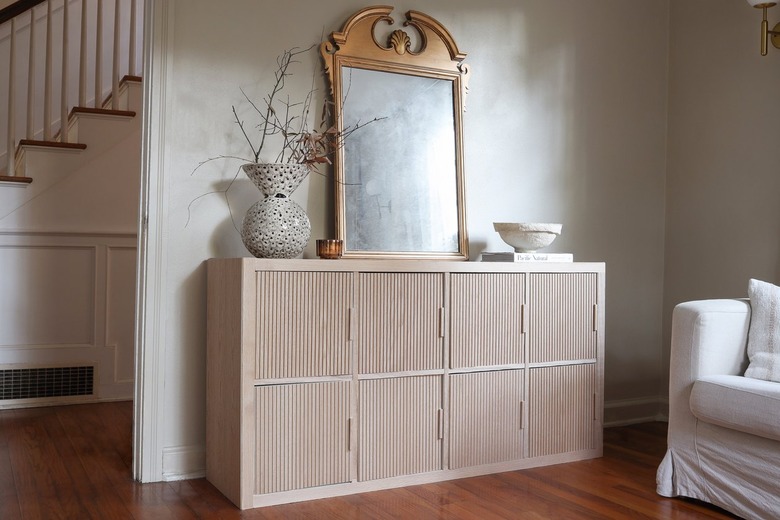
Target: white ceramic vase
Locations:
point(276, 226)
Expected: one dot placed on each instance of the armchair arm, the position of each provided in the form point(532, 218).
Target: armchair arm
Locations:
point(708, 337)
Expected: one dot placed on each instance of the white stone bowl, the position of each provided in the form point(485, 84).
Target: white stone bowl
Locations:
point(527, 237)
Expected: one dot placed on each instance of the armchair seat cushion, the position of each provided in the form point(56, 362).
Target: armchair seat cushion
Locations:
point(739, 403)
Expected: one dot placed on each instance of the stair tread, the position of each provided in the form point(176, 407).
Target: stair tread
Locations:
point(102, 111)
point(19, 179)
point(52, 144)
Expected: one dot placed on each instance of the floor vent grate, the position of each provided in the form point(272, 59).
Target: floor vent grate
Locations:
point(31, 383)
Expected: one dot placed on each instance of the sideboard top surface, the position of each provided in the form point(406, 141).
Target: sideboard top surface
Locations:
point(350, 265)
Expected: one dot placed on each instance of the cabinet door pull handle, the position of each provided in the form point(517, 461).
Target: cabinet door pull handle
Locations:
point(522, 319)
point(349, 434)
point(522, 415)
point(441, 322)
point(440, 423)
point(595, 317)
point(351, 324)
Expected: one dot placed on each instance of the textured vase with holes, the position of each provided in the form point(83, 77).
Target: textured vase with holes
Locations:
point(276, 227)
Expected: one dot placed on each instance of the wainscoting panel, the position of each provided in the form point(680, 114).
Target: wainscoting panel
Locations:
point(67, 303)
point(120, 304)
point(47, 295)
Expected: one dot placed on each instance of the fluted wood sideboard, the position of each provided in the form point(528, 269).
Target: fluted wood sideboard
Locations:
point(331, 377)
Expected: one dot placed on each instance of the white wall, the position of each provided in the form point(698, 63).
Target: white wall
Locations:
point(566, 121)
point(723, 183)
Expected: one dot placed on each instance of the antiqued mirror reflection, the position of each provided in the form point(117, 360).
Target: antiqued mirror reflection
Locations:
point(399, 172)
point(399, 190)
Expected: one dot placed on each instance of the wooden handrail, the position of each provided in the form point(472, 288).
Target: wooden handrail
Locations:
point(17, 8)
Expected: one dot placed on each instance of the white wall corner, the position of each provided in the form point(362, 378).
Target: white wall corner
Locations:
point(183, 462)
point(148, 456)
point(663, 409)
point(634, 411)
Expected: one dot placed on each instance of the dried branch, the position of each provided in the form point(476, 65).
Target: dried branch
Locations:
point(241, 126)
point(280, 117)
point(290, 120)
point(225, 192)
point(219, 157)
point(270, 123)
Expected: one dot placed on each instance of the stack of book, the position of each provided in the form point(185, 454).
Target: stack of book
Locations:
point(510, 256)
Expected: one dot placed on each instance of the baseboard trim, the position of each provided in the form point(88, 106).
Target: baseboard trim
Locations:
point(20, 404)
point(623, 412)
point(183, 462)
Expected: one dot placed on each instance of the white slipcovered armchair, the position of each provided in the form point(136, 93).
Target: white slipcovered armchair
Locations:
point(724, 429)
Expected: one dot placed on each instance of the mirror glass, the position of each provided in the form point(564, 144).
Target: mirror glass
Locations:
point(399, 183)
point(399, 172)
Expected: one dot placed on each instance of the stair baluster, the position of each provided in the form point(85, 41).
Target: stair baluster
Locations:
point(98, 56)
point(115, 69)
point(64, 88)
point(131, 60)
point(83, 57)
point(30, 130)
point(11, 96)
point(47, 77)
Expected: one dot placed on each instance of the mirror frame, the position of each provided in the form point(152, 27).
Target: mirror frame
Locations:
point(437, 56)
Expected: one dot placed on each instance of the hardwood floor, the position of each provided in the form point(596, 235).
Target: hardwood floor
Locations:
point(74, 462)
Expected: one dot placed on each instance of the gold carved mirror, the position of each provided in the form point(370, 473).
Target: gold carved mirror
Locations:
point(399, 190)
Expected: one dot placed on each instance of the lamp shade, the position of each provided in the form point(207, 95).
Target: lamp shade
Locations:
point(761, 3)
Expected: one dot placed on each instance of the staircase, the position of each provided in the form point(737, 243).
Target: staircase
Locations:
point(70, 160)
point(72, 184)
point(64, 59)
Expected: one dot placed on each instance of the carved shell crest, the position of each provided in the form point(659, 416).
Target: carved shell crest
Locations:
point(400, 41)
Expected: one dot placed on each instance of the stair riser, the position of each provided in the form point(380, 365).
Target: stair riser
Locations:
point(55, 162)
point(100, 131)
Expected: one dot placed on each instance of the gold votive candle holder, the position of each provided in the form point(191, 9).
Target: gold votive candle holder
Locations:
point(330, 249)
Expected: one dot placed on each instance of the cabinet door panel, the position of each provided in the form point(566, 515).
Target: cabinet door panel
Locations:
point(400, 426)
point(562, 409)
point(302, 436)
point(303, 324)
point(561, 317)
point(399, 322)
point(486, 319)
point(486, 417)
